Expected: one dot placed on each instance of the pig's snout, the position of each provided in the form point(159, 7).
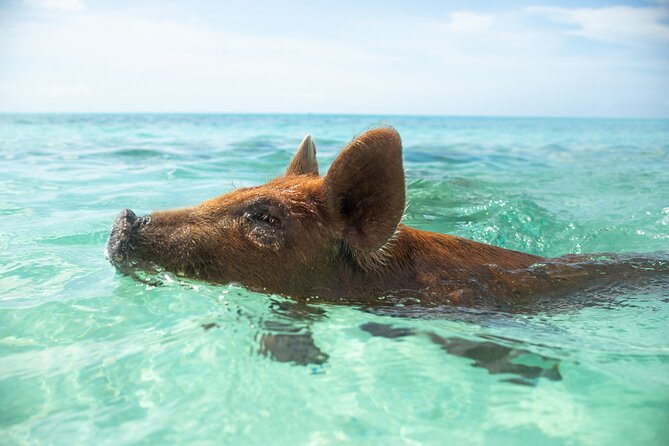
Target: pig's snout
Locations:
point(120, 239)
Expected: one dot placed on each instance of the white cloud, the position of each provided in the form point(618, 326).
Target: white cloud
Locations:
point(62, 91)
point(470, 22)
point(6, 87)
point(59, 5)
point(618, 24)
point(461, 63)
point(37, 90)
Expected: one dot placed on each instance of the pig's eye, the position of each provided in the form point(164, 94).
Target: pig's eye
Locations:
point(264, 229)
point(261, 217)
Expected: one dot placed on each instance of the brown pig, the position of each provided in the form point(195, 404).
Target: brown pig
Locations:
point(331, 238)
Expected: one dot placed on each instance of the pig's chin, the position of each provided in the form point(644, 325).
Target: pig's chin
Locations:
point(144, 271)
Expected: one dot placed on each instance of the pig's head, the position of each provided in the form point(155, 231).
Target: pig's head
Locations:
point(296, 235)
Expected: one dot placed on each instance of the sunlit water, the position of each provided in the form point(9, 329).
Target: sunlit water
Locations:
point(88, 356)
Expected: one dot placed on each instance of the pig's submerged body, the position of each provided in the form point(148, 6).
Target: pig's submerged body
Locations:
point(338, 238)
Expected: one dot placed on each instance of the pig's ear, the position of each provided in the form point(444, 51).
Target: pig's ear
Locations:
point(365, 188)
point(304, 161)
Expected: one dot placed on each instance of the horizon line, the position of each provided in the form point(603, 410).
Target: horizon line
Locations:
point(399, 115)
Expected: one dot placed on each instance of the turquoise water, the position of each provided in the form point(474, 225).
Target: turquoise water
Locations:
point(88, 356)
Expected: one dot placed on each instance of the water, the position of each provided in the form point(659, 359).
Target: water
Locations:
point(91, 357)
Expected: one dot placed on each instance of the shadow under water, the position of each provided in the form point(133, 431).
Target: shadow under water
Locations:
point(286, 336)
point(488, 354)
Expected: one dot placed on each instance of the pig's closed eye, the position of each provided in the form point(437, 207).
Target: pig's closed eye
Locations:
point(262, 217)
point(264, 229)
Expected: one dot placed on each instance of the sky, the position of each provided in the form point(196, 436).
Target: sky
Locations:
point(490, 58)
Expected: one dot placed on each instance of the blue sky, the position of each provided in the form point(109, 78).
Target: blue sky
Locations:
point(499, 58)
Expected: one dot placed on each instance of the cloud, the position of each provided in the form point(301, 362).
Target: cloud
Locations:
point(616, 24)
point(36, 90)
point(462, 62)
point(59, 5)
point(470, 22)
point(62, 91)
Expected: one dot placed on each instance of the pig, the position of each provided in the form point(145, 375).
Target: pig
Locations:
point(337, 238)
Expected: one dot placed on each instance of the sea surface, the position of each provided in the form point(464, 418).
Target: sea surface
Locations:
point(89, 356)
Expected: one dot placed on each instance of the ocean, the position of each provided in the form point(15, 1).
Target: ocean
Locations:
point(89, 356)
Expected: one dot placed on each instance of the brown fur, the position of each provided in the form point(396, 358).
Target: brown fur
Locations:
point(336, 238)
